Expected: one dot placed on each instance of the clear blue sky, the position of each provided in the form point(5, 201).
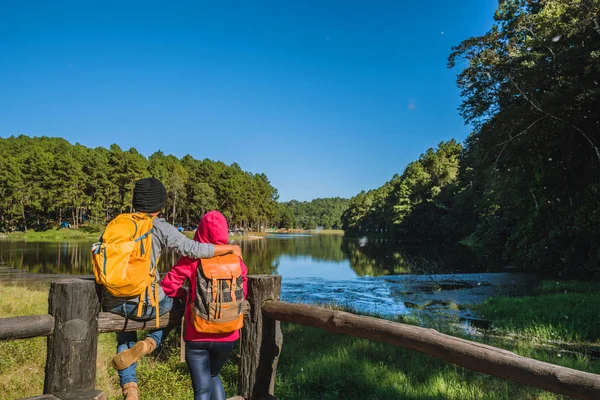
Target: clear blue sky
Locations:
point(326, 97)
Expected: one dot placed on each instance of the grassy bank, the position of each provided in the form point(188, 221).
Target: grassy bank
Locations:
point(313, 364)
point(74, 235)
point(312, 231)
point(258, 235)
point(560, 311)
point(54, 235)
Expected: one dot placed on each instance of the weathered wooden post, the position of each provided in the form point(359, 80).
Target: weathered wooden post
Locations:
point(72, 348)
point(261, 340)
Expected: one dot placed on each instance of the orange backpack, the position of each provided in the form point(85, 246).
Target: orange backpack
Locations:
point(122, 259)
point(218, 307)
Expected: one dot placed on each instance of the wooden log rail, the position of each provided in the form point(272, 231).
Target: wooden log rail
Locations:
point(43, 325)
point(476, 356)
point(74, 321)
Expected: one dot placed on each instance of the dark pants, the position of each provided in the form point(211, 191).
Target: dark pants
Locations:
point(205, 360)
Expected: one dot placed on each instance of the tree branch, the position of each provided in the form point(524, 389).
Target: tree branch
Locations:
point(538, 108)
point(524, 131)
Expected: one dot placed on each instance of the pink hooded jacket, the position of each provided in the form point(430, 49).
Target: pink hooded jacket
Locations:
point(212, 229)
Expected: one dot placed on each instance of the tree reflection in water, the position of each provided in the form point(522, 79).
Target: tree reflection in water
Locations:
point(262, 256)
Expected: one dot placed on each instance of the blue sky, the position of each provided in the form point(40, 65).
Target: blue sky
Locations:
point(326, 97)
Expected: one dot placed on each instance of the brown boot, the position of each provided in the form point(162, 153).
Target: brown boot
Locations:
point(126, 358)
point(130, 391)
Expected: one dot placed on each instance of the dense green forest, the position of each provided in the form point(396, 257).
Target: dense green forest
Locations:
point(325, 213)
point(44, 181)
point(524, 189)
point(408, 204)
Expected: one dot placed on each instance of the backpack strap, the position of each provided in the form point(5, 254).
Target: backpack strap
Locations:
point(144, 236)
point(152, 293)
point(215, 287)
point(233, 288)
point(152, 290)
point(156, 303)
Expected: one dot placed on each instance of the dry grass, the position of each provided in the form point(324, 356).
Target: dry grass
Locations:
point(22, 361)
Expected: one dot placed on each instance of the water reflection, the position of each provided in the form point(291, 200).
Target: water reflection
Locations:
point(375, 258)
point(380, 277)
point(383, 257)
point(262, 256)
point(308, 267)
point(46, 258)
point(265, 255)
point(329, 256)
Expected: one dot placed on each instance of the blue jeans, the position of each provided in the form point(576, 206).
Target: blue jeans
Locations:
point(205, 360)
point(126, 340)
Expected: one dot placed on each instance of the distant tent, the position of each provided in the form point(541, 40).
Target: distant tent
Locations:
point(65, 224)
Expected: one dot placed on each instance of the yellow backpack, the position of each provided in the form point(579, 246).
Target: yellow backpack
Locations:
point(122, 259)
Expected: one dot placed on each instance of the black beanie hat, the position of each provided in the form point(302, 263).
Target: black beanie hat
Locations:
point(149, 195)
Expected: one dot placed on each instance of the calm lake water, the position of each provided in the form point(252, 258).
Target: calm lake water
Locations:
point(372, 276)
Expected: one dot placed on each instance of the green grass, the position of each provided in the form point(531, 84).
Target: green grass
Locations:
point(562, 311)
point(53, 235)
point(316, 364)
point(83, 234)
point(565, 287)
point(22, 361)
point(190, 234)
point(313, 364)
point(313, 231)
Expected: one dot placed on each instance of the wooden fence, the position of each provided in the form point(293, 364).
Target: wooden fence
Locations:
point(74, 321)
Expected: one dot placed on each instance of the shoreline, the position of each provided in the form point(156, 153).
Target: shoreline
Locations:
point(62, 235)
point(79, 235)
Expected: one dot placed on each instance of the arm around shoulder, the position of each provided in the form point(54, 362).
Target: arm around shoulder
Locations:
point(175, 240)
point(222, 249)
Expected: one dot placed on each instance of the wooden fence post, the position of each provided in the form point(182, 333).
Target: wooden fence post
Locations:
point(261, 340)
point(72, 348)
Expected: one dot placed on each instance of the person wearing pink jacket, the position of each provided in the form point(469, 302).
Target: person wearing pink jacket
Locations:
point(205, 353)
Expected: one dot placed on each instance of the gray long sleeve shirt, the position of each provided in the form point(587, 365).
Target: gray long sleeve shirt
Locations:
point(164, 236)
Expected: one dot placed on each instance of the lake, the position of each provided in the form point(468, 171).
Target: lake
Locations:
point(377, 277)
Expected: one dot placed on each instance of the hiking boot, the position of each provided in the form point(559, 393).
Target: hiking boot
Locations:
point(130, 391)
point(126, 358)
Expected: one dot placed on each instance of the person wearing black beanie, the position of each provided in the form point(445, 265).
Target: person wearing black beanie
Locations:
point(149, 195)
point(149, 198)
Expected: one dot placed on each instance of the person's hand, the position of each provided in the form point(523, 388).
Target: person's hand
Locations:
point(237, 250)
point(222, 249)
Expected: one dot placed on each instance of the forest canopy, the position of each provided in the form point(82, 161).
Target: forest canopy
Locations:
point(44, 181)
point(324, 213)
